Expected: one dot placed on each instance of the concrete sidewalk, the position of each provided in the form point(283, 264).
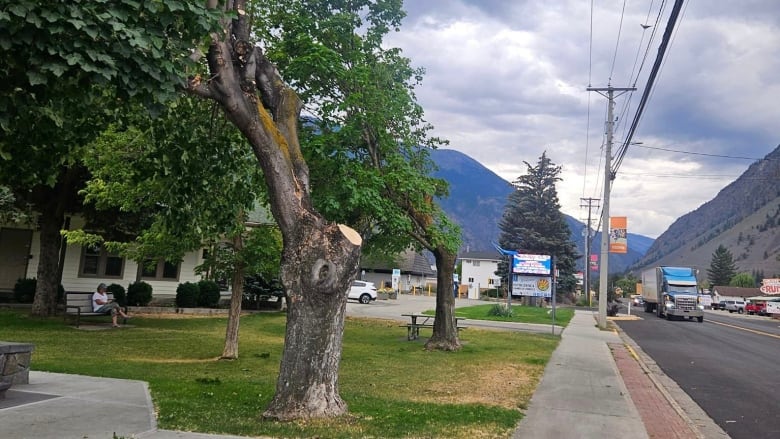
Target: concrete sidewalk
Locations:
point(581, 393)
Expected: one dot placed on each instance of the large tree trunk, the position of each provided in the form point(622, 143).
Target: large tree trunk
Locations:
point(230, 352)
point(319, 259)
point(445, 330)
point(316, 271)
point(52, 203)
point(45, 302)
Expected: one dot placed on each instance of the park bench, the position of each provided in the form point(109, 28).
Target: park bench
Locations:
point(78, 304)
point(418, 321)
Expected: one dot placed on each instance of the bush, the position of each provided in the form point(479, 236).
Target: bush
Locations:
point(139, 294)
point(24, 291)
point(209, 294)
point(119, 293)
point(187, 295)
point(500, 310)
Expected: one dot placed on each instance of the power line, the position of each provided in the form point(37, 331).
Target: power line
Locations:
point(700, 153)
point(650, 81)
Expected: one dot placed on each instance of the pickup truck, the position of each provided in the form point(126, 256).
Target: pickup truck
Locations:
point(755, 308)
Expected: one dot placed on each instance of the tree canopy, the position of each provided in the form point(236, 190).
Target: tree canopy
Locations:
point(722, 267)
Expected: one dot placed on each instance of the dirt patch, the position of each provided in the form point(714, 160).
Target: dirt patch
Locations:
point(509, 386)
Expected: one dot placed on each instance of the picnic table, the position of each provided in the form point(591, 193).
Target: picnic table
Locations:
point(417, 321)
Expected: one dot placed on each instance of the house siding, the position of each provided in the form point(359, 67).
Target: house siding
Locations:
point(477, 268)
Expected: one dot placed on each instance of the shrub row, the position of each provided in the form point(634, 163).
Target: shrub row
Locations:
point(203, 294)
point(138, 293)
point(188, 294)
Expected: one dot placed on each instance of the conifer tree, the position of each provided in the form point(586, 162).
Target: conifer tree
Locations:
point(533, 222)
point(722, 267)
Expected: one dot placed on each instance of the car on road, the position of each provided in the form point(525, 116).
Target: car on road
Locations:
point(737, 306)
point(362, 291)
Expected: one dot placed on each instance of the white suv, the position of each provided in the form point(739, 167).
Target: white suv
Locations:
point(363, 292)
point(735, 306)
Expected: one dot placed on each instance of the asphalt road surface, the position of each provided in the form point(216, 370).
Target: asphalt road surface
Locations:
point(729, 365)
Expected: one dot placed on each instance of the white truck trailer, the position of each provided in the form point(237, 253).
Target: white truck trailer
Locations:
point(672, 292)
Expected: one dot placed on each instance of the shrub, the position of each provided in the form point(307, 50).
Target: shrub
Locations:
point(209, 294)
point(500, 310)
point(119, 293)
point(187, 295)
point(139, 294)
point(24, 290)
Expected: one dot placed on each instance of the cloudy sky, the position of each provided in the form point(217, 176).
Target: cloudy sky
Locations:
point(506, 81)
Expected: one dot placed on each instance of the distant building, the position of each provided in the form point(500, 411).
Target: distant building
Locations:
point(478, 271)
point(416, 271)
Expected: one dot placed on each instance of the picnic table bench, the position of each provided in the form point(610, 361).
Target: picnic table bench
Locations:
point(79, 304)
point(417, 321)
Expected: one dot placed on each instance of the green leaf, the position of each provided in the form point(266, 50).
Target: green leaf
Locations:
point(35, 78)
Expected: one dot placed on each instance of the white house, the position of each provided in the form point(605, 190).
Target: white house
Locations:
point(84, 268)
point(478, 270)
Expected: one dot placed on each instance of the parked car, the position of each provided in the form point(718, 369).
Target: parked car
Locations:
point(719, 305)
point(735, 306)
point(756, 307)
point(362, 291)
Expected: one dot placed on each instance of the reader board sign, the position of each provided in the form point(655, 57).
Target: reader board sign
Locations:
point(540, 265)
point(533, 286)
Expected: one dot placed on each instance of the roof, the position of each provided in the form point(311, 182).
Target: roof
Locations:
point(488, 255)
point(408, 262)
point(736, 291)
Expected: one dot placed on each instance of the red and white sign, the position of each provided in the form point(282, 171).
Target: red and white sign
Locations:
point(770, 286)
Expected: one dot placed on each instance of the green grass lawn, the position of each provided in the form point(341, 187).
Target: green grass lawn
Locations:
point(394, 388)
point(521, 314)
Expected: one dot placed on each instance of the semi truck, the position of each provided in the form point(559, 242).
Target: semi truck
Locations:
point(672, 292)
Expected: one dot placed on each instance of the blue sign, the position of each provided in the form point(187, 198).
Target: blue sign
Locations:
point(540, 265)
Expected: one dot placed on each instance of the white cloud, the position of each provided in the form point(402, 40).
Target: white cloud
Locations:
point(505, 81)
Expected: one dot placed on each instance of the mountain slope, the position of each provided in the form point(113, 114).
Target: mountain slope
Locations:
point(477, 199)
point(744, 217)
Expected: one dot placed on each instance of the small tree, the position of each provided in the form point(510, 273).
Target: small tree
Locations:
point(745, 280)
point(722, 267)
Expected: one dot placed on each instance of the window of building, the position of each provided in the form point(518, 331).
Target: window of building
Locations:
point(476, 263)
point(97, 262)
point(160, 270)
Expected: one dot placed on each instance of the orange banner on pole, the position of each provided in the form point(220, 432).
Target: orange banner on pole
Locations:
point(618, 242)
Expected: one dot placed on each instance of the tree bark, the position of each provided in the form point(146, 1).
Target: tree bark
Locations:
point(45, 301)
point(52, 203)
point(230, 352)
point(319, 259)
point(445, 330)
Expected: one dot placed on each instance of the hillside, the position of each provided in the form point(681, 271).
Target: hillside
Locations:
point(744, 217)
point(477, 199)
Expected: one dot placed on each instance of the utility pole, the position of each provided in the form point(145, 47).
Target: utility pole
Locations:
point(591, 203)
point(608, 177)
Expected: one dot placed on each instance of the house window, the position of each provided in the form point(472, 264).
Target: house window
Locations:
point(476, 263)
point(161, 270)
point(97, 262)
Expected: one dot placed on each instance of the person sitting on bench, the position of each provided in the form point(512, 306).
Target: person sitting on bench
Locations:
point(101, 303)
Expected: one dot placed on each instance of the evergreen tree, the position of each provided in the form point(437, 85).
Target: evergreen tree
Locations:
point(722, 267)
point(533, 223)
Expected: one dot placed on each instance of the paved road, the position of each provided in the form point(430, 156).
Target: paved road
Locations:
point(728, 365)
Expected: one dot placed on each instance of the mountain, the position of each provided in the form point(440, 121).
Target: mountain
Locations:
point(477, 199)
point(744, 217)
